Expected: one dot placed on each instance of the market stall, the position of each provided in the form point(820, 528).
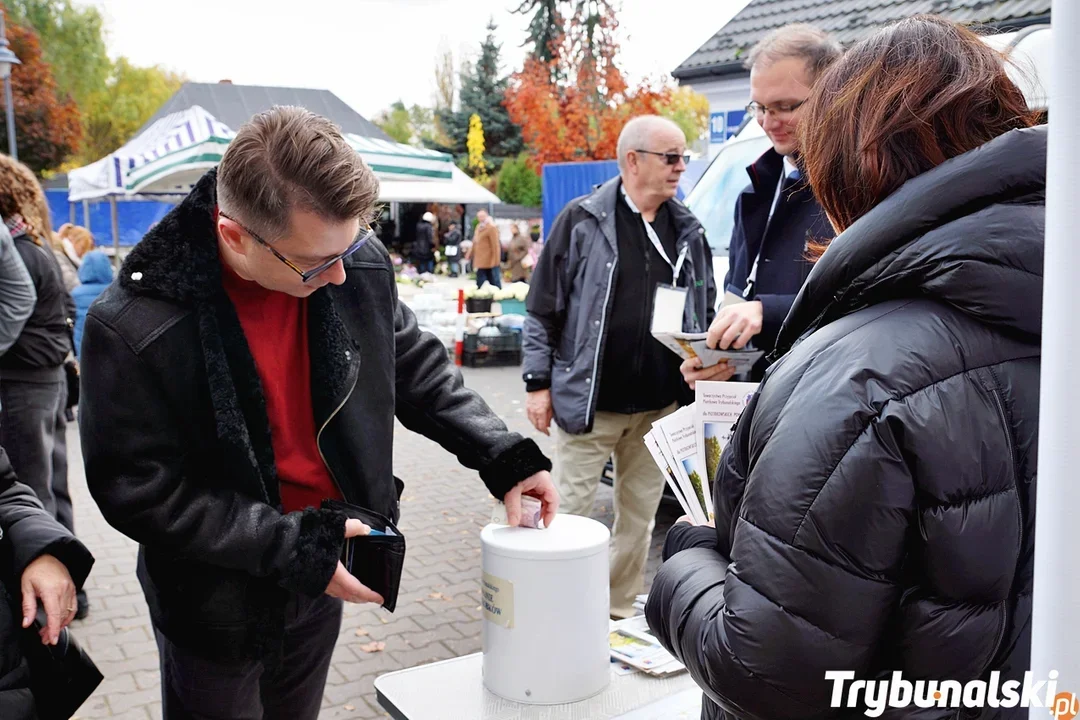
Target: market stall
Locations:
point(165, 161)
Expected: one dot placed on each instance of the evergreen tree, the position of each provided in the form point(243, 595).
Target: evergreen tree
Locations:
point(482, 92)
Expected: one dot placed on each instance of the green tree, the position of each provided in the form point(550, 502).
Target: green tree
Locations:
point(47, 129)
point(519, 184)
point(424, 130)
point(409, 125)
point(552, 19)
point(482, 92)
point(72, 41)
point(128, 99)
point(396, 122)
point(545, 27)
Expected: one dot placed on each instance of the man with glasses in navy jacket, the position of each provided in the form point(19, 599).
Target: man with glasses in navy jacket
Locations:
point(777, 215)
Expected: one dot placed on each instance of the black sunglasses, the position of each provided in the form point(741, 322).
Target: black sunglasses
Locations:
point(670, 158)
point(366, 234)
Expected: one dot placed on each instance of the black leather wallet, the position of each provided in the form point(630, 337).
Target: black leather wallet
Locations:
point(377, 559)
point(62, 676)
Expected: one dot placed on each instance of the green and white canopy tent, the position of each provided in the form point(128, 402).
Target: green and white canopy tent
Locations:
point(167, 159)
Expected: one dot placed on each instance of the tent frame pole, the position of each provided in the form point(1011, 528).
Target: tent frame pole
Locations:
point(1055, 637)
point(115, 231)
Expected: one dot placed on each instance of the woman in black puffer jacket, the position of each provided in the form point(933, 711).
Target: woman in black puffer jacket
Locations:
point(877, 499)
point(40, 560)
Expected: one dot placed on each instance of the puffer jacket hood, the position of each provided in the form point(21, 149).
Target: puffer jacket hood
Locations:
point(96, 269)
point(949, 234)
point(875, 506)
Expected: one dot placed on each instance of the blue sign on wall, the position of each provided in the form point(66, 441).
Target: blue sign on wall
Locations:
point(734, 120)
point(718, 127)
point(724, 125)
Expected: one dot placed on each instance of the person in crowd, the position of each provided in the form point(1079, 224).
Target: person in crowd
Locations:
point(76, 241)
point(42, 566)
point(246, 367)
point(423, 247)
point(70, 243)
point(777, 214)
point(452, 245)
point(95, 274)
point(17, 293)
point(590, 362)
point(33, 381)
point(519, 255)
point(485, 253)
point(875, 506)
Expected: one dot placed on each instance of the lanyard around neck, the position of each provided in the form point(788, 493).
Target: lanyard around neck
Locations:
point(676, 267)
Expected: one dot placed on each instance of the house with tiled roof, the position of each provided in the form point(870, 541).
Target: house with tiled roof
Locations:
point(717, 68)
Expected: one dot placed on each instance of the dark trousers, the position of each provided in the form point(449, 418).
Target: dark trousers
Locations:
point(491, 275)
point(33, 430)
point(194, 688)
point(425, 266)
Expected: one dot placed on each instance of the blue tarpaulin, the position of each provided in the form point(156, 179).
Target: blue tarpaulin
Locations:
point(134, 218)
point(562, 182)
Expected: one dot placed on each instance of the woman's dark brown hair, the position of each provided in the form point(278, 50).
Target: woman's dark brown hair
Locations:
point(899, 103)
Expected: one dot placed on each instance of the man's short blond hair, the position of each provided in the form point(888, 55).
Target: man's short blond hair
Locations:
point(289, 158)
point(798, 40)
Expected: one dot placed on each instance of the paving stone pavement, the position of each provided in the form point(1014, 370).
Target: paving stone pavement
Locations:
point(444, 507)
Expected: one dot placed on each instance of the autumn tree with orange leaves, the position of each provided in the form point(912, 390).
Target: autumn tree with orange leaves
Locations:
point(47, 129)
point(573, 106)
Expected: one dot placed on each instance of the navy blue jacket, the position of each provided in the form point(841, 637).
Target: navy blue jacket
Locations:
point(783, 266)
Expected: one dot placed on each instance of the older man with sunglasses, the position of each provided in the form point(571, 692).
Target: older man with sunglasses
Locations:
point(591, 363)
point(245, 369)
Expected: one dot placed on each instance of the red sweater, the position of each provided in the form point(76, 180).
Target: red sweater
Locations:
point(276, 328)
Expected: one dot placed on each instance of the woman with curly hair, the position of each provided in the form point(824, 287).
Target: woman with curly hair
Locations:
point(33, 382)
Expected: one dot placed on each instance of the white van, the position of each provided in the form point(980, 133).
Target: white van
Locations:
point(714, 196)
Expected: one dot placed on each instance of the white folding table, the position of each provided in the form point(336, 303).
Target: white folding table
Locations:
point(455, 689)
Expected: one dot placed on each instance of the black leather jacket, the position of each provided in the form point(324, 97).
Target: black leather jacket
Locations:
point(177, 442)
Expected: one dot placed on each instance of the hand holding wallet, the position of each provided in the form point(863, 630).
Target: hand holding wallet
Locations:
point(375, 559)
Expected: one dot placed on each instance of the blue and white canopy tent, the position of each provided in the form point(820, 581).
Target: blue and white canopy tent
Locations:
point(168, 158)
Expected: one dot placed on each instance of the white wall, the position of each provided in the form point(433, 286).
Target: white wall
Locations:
point(729, 96)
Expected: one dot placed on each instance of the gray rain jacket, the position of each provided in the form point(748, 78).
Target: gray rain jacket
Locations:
point(570, 299)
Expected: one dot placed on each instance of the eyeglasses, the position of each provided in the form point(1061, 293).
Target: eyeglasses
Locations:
point(670, 158)
point(780, 109)
point(366, 234)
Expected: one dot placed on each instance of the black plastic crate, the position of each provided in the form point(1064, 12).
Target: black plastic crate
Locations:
point(491, 358)
point(507, 341)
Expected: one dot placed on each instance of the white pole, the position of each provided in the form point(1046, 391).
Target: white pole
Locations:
point(1056, 619)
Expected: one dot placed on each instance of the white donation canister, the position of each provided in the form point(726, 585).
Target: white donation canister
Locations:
point(546, 615)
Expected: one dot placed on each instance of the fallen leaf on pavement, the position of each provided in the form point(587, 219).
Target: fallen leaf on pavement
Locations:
point(350, 708)
point(437, 596)
point(361, 632)
point(374, 647)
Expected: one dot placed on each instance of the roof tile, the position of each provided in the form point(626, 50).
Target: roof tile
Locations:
point(848, 20)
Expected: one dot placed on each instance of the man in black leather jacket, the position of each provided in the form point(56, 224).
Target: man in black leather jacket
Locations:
point(249, 362)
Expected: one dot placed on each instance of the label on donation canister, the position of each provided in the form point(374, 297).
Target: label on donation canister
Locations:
point(498, 597)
